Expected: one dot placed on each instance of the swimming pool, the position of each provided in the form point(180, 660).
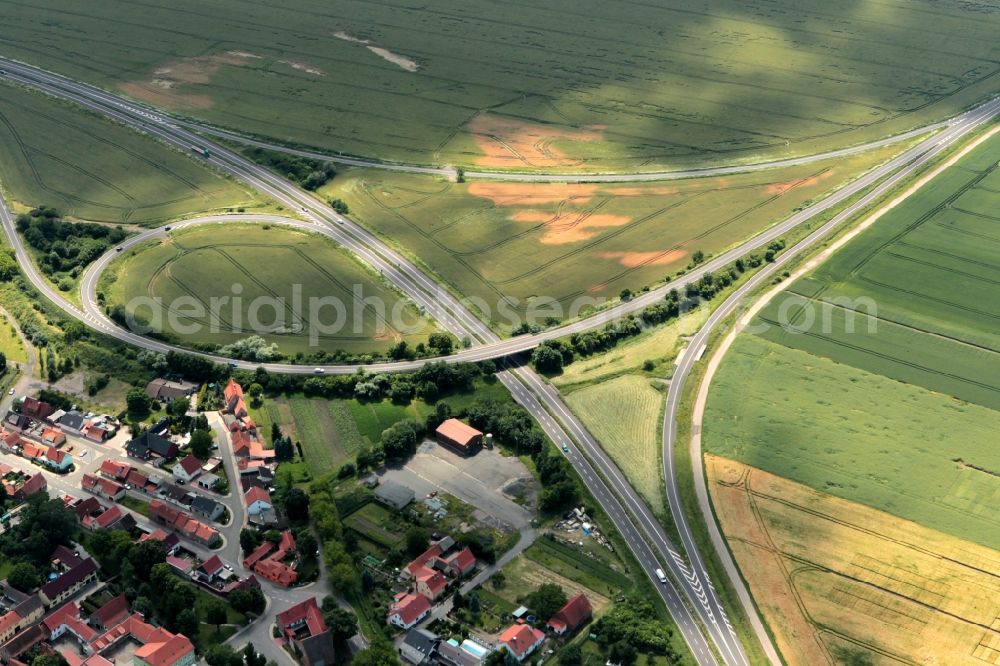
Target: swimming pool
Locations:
point(475, 649)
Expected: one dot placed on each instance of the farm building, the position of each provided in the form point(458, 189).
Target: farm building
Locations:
point(394, 495)
point(459, 436)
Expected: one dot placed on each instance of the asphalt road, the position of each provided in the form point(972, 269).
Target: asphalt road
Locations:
point(549, 177)
point(435, 300)
point(451, 315)
point(441, 305)
point(699, 341)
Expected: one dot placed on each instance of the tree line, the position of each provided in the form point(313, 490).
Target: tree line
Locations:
point(552, 355)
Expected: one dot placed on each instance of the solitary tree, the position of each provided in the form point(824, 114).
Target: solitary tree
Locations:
point(138, 404)
point(23, 576)
point(201, 444)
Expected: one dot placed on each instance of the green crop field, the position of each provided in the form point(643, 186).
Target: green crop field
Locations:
point(562, 84)
point(875, 376)
point(89, 168)
point(575, 243)
point(325, 428)
point(914, 298)
point(262, 266)
point(858, 435)
point(625, 415)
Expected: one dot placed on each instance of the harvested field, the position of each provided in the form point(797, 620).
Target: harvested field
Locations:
point(839, 582)
point(574, 244)
point(566, 85)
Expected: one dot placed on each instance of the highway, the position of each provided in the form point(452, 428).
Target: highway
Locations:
point(548, 177)
point(630, 515)
point(440, 304)
point(699, 342)
point(450, 172)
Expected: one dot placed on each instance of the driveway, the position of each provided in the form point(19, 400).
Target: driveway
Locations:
point(480, 480)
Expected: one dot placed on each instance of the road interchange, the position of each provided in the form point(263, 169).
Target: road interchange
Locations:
point(647, 539)
point(451, 316)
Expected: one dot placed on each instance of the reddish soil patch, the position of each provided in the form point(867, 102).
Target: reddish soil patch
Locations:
point(163, 87)
point(656, 190)
point(637, 259)
point(513, 143)
point(570, 227)
point(784, 188)
point(532, 194)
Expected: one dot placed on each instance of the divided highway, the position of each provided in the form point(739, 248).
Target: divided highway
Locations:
point(699, 342)
point(440, 304)
point(689, 596)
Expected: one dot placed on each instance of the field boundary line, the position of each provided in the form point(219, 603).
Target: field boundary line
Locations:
point(715, 360)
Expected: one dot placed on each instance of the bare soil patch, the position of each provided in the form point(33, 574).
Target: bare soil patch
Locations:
point(636, 259)
point(400, 61)
point(784, 188)
point(505, 142)
point(163, 88)
point(303, 67)
point(570, 227)
point(532, 194)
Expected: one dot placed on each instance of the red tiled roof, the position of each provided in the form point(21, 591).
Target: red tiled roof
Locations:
point(157, 534)
point(56, 455)
point(167, 514)
point(116, 469)
point(458, 432)
point(8, 621)
point(520, 638)
point(232, 390)
point(258, 554)
point(305, 611)
point(212, 565)
point(287, 543)
point(31, 450)
point(572, 614)
point(409, 607)
point(256, 493)
point(99, 484)
point(276, 572)
point(241, 443)
point(190, 464)
point(110, 516)
point(136, 478)
point(112, 612)
point(53, 436)
point(95, 433)
point(257, 451)
point(166, 653)
point(34, 484)
point(463, 560)
point(434, 581)
point(424, 559)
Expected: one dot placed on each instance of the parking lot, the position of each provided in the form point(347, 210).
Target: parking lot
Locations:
point(486, 481)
